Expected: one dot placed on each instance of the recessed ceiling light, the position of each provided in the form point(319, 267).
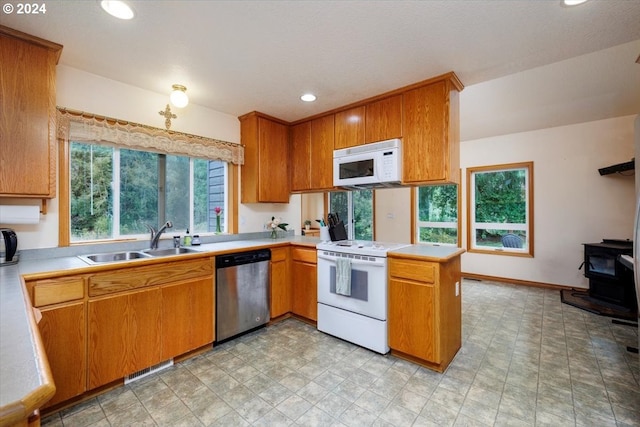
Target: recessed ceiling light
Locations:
point(117, 8)
point(308, 97)
point(573, 2)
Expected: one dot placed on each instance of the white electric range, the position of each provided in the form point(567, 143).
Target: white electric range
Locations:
point(355, 310)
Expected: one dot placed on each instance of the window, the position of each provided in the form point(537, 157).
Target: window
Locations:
point(500, 209)
point(437, 214)
point(116, 192)
point(355, 208)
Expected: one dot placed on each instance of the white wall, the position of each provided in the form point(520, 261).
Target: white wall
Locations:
point(392, 215)
point(573, 204)
point(79, 90)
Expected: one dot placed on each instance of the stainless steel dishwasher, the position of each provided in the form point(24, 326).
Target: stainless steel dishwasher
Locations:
point(242, 292)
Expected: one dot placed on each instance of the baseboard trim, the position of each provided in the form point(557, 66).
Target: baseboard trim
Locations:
point(474, 276)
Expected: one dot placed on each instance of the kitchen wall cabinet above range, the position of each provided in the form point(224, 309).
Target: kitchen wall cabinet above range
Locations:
point(376, 121)
point(27, 115)
point(265, 173)
point(311, 148)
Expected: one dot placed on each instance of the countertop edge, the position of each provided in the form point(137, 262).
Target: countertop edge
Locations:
point(14, 412)
point(426, 257)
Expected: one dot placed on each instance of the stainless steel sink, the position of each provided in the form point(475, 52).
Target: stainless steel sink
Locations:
point(169, 251)
point(113, 257)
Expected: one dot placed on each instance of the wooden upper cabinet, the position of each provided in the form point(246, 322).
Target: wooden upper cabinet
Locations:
point(265, 173)
point(322, 136)
point(349, 128)
point(27, 115)
point(431, 140)
point(383, 119)
point(300, 149)
point(311, 147)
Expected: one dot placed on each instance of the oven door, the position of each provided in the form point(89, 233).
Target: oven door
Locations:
point(368, 284)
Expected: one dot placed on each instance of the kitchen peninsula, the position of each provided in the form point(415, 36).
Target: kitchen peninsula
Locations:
point(18, 355)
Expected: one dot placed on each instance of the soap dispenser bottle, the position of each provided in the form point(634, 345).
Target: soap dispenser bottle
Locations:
point(187, 238)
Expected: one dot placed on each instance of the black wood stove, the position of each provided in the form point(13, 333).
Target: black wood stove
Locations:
point(609, 279)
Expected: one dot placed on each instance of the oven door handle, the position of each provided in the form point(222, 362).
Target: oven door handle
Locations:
point(353, 261)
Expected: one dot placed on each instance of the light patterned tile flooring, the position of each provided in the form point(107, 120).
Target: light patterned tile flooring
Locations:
point(526, 360)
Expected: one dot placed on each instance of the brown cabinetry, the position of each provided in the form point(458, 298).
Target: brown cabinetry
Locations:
point(424, 315)
point(312, 154)
point(124, 334)
point(280, 290)
point(187, 316)
point(349, 128)
point(304, 282)
point(63, 332)
point(383, 119)
point(265, 173)
point(300, 149)
point(431, 140)
point(27, 115)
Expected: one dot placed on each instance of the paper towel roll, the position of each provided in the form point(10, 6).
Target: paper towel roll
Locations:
point(19, 214)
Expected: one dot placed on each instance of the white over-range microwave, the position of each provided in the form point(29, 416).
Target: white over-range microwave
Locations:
point(368, 166)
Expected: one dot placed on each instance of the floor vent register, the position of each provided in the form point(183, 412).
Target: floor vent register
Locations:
point(148, 371)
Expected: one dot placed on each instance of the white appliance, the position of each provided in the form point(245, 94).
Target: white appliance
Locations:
point(368, 166)
point(361, 317)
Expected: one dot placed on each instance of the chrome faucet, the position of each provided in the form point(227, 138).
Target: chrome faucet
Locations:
point(155, 235)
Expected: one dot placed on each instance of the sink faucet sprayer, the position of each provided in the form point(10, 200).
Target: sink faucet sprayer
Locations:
point(155, 235)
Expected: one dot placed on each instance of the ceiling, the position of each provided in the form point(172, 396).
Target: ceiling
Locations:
point(556, 65)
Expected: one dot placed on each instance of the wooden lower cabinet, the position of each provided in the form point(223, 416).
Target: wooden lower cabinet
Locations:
point(124, 334)
point(424, 314)
point(304, 279)
point(63, 332)
point(187, 316)
point(280, 291)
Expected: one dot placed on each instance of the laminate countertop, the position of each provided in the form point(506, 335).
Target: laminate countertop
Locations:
point(25, 378)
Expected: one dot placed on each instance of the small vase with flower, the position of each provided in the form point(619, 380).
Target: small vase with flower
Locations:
point(218, 211)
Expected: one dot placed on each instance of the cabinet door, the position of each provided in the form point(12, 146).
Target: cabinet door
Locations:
point(322, 135)
point(383, 119)
point(273, 143)
point(280, 283)
point(349, 130)
point(411, 319)
point(63, 332)
point(124, 335)
point(430, 149)
point(300, 151)
point(187, 316)
point(265, 173)
point(27, 118)
point(304, 289)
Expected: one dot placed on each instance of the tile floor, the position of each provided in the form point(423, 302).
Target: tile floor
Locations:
point(526, 359)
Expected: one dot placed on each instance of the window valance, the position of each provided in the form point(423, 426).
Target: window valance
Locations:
point(81, 126)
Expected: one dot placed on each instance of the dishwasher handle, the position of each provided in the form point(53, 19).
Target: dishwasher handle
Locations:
point(242, 258)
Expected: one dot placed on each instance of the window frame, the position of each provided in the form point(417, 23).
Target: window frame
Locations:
point(65, 117)
point(528, 250)
point(350, 221)
point(416, 223)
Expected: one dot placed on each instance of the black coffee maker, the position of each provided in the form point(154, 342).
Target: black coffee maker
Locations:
point(8, 247)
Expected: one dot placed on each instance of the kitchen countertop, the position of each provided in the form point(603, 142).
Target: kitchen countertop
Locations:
point(427, 252)
point(20, 347)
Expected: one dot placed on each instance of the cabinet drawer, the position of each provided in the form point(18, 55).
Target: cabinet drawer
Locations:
point(152, 275)
point(413, 270)
point(279, 254)
point(304, 255)
point(55, 291)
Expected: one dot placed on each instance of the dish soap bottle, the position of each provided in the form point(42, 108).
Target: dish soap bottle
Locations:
point(187, 238)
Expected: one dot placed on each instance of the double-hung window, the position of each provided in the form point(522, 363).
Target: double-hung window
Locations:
point(355, 209)
point(437, 214)
point(500, 209)
point(116, 192)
